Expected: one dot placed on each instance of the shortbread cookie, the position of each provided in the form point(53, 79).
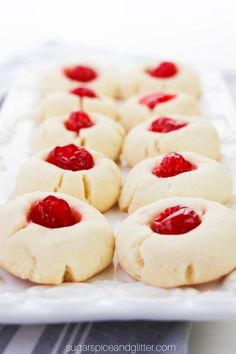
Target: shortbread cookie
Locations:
point(54, 238)
point(161, 135)
point(94, 131)
point(178, 241)
point(62, 103)
point(68, 77)
point(160, 76)
point(81, 173)
point(138, 108)
point(175, 175)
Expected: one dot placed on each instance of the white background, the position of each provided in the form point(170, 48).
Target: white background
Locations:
point(201, 32)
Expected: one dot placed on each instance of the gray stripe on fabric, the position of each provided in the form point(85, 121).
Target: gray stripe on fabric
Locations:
point(79, 333)
point(71, 341)
point(57, 346)
point(6, 335)
point(66, 339)
point(142, 332)
point(48, 339)
point(86, 333)
point(24, 339)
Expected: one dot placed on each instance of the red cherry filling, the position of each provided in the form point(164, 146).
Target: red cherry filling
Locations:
point(71, 157)
point(175, 221)
point(164, 70)
point(83, 92)
point(78, 120)
point(53, 212)
point(80, 73)
point(172, 165)
point(155, 98)
point(165, 125)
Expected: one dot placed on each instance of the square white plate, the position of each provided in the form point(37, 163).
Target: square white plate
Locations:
point(112, 294)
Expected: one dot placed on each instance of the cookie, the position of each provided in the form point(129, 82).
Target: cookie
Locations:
point(54, 238)
point(175, 175)
point(139, 108)
point(178, 241)
point(69, 76)
point(93, 131)
point(160, 76)
point(81, 98)
point(161, 135)
point(81, 173)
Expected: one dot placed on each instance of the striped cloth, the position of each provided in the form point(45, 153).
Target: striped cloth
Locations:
point(102, 337)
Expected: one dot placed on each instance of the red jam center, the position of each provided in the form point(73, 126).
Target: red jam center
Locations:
point(155, 98)
point(172, 165)
point(175, 221)
point(78, 120)
point(53, 212)
point(83, 92)
point(166, 125)
point(71, 157)
point(80, 73)
point(164, 70)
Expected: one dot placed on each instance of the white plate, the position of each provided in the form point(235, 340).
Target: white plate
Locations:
point(112, 294)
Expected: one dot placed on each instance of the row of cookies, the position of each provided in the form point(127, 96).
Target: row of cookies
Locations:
point(82, 172)
point(167, 176)
point(50, 237)
point(161, 76)
point(170, 241)
point(65, 123)
point(76, 88)
point(89, 176)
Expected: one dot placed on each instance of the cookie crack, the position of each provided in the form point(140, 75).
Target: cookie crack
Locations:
point(68, 275)
point(15, 231)
point(157, 146)
point(140, 263)
point(132, 198)
point(33, 267)
point(189, 273)
point(87, 193)
point(139, 259)
point(126, 202)
point(152, 148)
point(83, 141)
point(59, 184)
point(146, 152)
